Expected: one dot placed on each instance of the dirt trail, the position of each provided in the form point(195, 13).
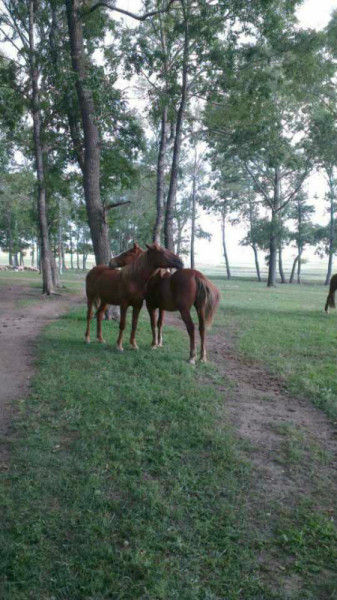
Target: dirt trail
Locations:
point(292, 444)
point(19, 328)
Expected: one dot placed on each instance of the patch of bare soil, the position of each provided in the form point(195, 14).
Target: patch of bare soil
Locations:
point(19, 328)
point(292, 444)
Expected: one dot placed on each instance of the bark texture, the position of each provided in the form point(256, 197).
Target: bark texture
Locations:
point(41, 189)
point(91, 158)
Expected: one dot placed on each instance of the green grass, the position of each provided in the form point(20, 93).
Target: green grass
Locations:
point(126, 482)
point(122, 483)
point(286, 328)
point(71, 281)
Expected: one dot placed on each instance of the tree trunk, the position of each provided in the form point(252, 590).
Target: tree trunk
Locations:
point(41, 194)
point(54, 271)
point(299, 266)
point(280, 265)
point(71, 251)
point(59, 237)
point(292, 275)
point(257, 266)
point(91, 163)
point(223, 229)
point(272, 260)
point(331, 233)
point(10, 241)
point(172, 193)
point(160, 191)
point(194, 202)
point(32, 262)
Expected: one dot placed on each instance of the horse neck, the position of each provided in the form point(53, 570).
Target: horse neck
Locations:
point(140, 270)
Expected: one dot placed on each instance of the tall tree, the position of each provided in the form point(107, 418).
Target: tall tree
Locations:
point(261, 114)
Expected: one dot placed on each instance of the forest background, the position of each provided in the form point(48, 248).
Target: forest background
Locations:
point(248, 164)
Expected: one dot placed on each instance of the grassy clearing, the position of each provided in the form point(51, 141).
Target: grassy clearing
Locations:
point(287, 329)
point(126, 483)
point(122, 483)
point(71, 282)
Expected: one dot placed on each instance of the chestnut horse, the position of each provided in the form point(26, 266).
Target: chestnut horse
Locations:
point(125, 288)
point(181, 291)
point(330, 301)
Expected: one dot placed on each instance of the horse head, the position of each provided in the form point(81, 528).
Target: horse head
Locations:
point(163, 258)
point(127, 257)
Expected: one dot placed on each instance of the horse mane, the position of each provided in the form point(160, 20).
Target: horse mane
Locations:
point(134, 269)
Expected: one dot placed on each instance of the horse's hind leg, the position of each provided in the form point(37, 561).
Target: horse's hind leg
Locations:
point(100, 315)
point(89, 317)
point(186, 317)
point(135, 315)
point(160, 328)
point(152, 314)
point(202, 330)
point(326, 308)
point(122, 321)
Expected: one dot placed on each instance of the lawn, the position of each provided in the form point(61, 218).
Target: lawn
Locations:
point(127, 482)
point(287, 329)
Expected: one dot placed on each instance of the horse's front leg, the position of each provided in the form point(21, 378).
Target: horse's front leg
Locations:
point(160, 327)
point(186, 317)
point(152, 314)
point(89, 317)
point(135, 315)
point(124, 308)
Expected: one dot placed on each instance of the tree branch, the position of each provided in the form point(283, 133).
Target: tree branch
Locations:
point(115, 204)
point(259, 186)
point(127, 12)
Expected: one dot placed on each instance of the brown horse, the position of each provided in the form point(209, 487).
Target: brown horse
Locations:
point(330, 301)
point(181, 291)
point(125, 288)
point(125, 258)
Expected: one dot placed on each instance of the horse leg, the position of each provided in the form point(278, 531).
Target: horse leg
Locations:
point(135, 315)
point(160, 327)
point(100, 315)
point(89, 317)
point(186, 317)
point(201, 317)
point(152, 313)
point(122, 320)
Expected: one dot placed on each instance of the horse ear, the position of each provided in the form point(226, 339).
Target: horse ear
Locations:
point(149, 247)
point(135, 246)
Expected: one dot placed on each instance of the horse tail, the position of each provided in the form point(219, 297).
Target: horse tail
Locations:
point(330, 301)
point(93, 298)
point(208, 297)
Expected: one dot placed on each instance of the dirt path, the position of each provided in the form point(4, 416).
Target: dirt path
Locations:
point(292, 444)
point(19, 328)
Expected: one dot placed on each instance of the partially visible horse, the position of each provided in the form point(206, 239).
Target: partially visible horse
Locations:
point(180, 291)
point(125, 288)
point(125, 258)
point(330, 301)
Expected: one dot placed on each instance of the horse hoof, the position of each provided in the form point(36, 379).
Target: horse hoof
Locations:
point(191, 361)
point(87, 341)
point(154, 347)
point(134, 347)
point(101, 341)
point(119, 349)
point(203, 359)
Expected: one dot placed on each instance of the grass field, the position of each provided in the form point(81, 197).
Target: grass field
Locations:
point(286, 328)
point(127, 483)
